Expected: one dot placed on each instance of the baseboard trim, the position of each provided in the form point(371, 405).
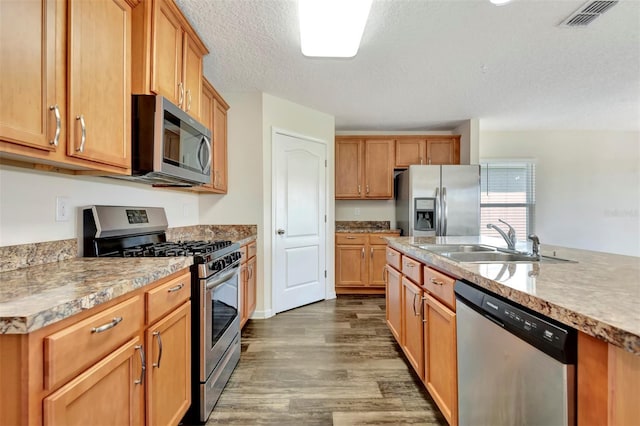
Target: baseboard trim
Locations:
point(262, 314)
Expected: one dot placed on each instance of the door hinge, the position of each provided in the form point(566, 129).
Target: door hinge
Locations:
point(325, 218)
point(325, 273)
point(325, 163)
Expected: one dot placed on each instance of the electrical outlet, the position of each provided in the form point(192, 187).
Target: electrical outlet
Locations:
point(357, 211)
point(63, 209)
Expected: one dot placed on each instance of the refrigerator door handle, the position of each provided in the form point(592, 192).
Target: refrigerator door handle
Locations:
point(446, 211)
point(438, 214)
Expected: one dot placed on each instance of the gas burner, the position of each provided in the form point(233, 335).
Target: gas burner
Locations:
point(133, 252)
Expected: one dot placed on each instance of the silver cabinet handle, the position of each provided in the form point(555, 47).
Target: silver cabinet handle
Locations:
point(56, 137)
point(359, 189)
point(363, 252)
point(384, 274)
point(180, 94)
point(280, 231)
point(157, 336)
point(83, 136)
point(436, 282)
point(367, 188)
point(372, 252)
point(409, 265)
point(176, 288)
point(415, 314)
point(350, 238)
point(115, 321)
point(421, 160)
point(188, 100)
point(143, 365)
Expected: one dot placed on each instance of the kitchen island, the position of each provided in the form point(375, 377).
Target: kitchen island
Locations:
point(597, 294)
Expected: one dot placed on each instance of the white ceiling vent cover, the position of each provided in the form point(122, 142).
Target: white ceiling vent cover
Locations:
point(588, 13)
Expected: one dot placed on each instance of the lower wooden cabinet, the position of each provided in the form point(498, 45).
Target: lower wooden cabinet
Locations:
point(248, 283)
point(394, 302)
point(360, 262)
point(440, 357)
point(112, 391)
point(412, 342)
point(96, 367)
point(169, 367)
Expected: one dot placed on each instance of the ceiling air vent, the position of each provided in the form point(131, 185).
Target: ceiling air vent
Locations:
point(587, 13)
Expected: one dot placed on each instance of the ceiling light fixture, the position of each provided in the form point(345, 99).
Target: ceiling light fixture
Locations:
point(500, 2)
point(332, 28)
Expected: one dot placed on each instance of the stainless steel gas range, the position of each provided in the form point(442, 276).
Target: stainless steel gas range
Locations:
point(117, 231)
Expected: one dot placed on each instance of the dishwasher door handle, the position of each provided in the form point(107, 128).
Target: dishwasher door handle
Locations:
point(493, 320)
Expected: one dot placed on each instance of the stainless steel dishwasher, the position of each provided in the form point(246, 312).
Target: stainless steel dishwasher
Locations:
point(515, 367)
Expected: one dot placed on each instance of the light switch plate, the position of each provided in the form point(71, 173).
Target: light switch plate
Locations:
point(63, 209)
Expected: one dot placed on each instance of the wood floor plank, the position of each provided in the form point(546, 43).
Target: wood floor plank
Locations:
point(329, 363)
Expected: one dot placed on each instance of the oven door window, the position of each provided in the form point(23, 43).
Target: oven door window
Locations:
point(224, 307)
point(183, 145)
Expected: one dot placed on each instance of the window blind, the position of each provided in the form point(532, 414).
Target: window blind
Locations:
point(507, 193)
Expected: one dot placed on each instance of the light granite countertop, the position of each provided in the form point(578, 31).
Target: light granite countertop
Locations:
point(599, 295)
point(368, 231)
point(34, 297)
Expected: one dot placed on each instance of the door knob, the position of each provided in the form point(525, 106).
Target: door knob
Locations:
point(280, 231)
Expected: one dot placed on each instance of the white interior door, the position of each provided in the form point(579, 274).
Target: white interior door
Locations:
point(300, 191)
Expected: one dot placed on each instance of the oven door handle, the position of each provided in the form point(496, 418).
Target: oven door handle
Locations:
point(223, 277)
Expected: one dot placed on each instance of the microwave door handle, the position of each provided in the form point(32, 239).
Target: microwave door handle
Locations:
point(207, 142)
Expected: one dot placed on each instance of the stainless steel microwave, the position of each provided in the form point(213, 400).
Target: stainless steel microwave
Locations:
point(168, 147)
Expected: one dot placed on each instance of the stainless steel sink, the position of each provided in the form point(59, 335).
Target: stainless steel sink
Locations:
point(501, 257)
point(456, 248)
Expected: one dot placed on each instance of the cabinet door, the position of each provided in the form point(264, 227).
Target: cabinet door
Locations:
point(443, 151)
point(410, 151)
point(243, 285)
point(192, 76)
point(28, 83)
point(378, 166)
point(349, 169)
point(413, 335)
point(250, 300)
point(377, 262)
point(112, 389)
point(394, 302)
point(167, 44)
point(441, 374)
point(219, 168)
point(99, 54)
point(168, 345)
point(351, 265)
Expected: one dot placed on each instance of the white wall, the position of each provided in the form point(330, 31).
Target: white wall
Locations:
point(28, 200)
point(286, 115)
point(367, 210)
point(469, 132)
point(587, 185)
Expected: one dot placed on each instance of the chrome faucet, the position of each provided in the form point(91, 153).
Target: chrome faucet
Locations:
point(510, 238)
point(535, 244)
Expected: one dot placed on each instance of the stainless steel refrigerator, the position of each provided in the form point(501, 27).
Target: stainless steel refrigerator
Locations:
point(438, 200)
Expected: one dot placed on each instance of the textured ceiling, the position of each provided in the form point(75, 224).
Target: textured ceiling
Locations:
point(429, 65)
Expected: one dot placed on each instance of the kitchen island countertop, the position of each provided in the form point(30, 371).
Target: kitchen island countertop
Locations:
point(599, 295)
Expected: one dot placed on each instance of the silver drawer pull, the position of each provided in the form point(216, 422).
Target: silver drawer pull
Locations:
point(436, 282)
point(409, 265)
point(115, 321)
point(176, 288)
point(350, 238)
point(83, 132)
point(56, 137)
point(157, 335)
point(143, 365)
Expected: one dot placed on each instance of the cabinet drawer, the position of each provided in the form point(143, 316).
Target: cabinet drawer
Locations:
point(73, 349)
point(412, 269)
point(380, 239)
point(243, 253)
point(393, 258)
point(251, 250)
point(440, 285)
point(168, 296)
point(356, 239)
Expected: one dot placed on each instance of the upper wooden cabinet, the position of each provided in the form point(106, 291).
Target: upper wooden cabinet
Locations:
point(430, 149)
point(214, 115)
point(364, 168)
point(167, 55)
point(59, 48)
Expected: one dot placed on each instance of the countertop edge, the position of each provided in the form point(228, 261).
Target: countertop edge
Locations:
point(617, 336)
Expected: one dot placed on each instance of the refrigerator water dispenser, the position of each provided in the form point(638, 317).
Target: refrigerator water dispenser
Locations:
point(425, 214)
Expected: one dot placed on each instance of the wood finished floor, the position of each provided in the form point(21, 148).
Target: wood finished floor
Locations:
point(329, 363)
